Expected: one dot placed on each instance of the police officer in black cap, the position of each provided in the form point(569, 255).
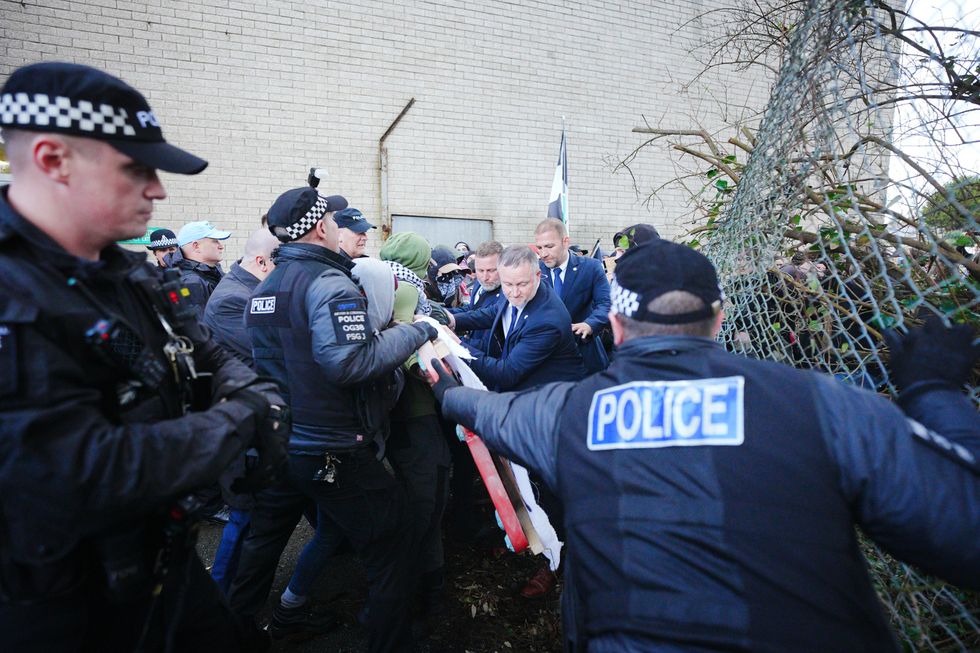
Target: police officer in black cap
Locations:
point(710, 499)
point(162, 242)
point(107, 427)
point(308, 323)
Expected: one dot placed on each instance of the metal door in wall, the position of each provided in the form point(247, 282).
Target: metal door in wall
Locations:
point(444, 231)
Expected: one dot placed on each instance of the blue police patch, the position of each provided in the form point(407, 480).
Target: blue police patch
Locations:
point(652, 414)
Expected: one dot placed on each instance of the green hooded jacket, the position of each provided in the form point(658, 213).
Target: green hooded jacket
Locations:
point(412, 251)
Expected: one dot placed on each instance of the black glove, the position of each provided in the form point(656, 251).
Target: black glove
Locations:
point(932, 353)
point(431, 333)
point(445, 381)
point(272, 426)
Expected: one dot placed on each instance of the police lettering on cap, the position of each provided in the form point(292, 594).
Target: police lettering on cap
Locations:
point(161, 239)
point(83, 101)
point(197, 230)
point(647, 271)
point(298, 210)
point(353, 219)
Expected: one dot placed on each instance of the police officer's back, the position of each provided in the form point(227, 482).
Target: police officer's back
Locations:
point(98, 452)
point(710, 499)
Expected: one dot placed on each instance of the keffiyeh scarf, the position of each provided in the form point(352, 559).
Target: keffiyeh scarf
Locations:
point(402, 273)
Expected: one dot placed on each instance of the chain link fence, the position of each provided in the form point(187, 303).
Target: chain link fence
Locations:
point(852, 209)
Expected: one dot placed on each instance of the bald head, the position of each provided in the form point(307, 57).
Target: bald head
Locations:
point(258, 253)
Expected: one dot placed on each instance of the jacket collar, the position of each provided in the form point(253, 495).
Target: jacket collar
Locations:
point(486, 293)
point(176, 260)
point(308, 252)
point(567, 277)
point(112, 259)
point(659, 344)
point(529, 309)
point(243, 276)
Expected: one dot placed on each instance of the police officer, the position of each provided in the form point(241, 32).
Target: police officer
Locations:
point(162, 242)
point(98, 360)
point(710, 499)
point(308, 323)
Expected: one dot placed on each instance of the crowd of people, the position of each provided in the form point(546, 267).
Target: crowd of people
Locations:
point(706, 501)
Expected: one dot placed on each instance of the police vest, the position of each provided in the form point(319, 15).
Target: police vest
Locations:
point(702, 507)
point(278, 325)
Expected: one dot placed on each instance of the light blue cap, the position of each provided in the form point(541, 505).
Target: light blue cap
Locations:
point(197, 230)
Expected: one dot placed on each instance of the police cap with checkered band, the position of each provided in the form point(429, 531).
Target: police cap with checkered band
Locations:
point(82, 101)
point(297, 211)
point(647, 271)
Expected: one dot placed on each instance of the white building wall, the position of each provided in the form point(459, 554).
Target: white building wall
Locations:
point(264, 90)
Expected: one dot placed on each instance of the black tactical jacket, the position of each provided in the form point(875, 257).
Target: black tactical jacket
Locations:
point(85, 448)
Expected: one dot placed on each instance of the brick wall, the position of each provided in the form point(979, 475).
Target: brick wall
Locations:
point(265, 89)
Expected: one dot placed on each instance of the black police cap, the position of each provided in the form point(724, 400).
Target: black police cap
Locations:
point(161, 239)
point(83, 101)
point(353, 219)
point(298, 210)
point(647, 271)
point(634, 235)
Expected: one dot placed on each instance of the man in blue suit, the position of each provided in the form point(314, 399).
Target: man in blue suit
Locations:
point(530, 340)
point(486, 288)
point(581, 283)
point(530, 343)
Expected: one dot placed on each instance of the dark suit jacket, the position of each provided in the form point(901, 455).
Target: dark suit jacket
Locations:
point(585, 291)
point(541, 349)
point(478, 337)
point(225, 312)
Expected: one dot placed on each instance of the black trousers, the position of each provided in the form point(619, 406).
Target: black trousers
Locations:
point(368, 506)
point(191, 611)
point(420, 456)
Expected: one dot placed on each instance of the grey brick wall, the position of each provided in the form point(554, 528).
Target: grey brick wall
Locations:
point(265, 89)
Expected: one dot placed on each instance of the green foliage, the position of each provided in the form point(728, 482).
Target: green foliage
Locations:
point(940, 214)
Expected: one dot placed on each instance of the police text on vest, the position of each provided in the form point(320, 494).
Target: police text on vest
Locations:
point(650, 414)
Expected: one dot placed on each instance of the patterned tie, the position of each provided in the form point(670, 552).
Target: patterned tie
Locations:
point(513, 320)
point(558, 282)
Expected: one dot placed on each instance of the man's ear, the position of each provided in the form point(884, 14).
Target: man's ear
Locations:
point(719, 318)
point(52, 156)
point(617, 328)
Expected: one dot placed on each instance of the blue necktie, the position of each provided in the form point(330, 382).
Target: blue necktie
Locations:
point(513, 320)
point(558, 282)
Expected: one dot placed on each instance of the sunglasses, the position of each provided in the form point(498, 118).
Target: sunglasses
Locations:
point(624, 239)
point(448, 276)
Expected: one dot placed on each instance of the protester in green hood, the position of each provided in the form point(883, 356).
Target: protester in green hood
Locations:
point(409, 249)
point(407, 253)
point(417, 449)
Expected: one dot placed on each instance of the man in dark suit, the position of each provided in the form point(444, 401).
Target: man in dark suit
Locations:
point(486, 288)
point(581, 283)
point(530, 343)
point(530, 340)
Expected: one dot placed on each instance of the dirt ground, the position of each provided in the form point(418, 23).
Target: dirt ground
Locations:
point(484, 610)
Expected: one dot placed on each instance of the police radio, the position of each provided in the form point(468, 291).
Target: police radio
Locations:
point(122, 347)
point(177, 298)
